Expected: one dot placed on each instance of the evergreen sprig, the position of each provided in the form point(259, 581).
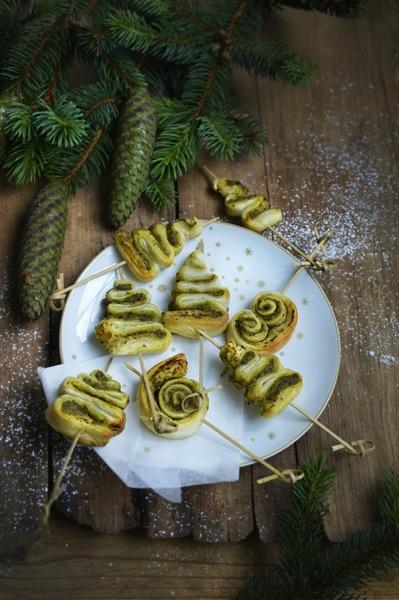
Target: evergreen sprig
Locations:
point(183, 51)
point(310, 567)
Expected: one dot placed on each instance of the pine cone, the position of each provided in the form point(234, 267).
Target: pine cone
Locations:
point(41, 248)
point(132, 154)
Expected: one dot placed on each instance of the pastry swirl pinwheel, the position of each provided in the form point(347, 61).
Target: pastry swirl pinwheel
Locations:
point(253, 209)
point(267, 326)
point(146, 251)
point(266, 382)
point(132, 324)
point(179, 404)
point(198, 299)
point(91, 404)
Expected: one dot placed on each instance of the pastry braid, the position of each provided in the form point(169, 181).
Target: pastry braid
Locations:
point(254, 210)
point(179, 405)
point(132, 324)
point(198, 300)
point(92, 404)
point(146, 251)
point(267, 326)
point(265, 381)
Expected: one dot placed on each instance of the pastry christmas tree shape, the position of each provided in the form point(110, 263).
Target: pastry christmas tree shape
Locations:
point(132, 324)
point(266, 382)
point(176, 406)
point(90, 406)
point(267, 325)
point(198, 300)
point(146, 251)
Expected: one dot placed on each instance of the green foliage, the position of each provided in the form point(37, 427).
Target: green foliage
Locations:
point(61, 124)
point(310, 567)
point(183, 51)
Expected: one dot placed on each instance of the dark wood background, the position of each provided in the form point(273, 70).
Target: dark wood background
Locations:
point(333, 160)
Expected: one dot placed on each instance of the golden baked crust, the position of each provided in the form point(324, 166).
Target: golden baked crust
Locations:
point(179, 404)
point(198, 300)
point(92, 404)
point(267, 325)
point(132, 324)
point(146, 251)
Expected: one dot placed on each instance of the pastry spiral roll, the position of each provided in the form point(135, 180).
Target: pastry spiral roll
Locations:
point(92, 404)
point(265, 381)
point(198, 300)
point(267, 326)
point(146, 251)
point(179, 404)
point(253, 209)
point(132, 324)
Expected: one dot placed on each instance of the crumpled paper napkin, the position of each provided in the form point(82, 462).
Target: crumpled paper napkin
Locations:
point(142, 459)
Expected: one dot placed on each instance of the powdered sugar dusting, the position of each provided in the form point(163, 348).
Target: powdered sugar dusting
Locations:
point(23, 435)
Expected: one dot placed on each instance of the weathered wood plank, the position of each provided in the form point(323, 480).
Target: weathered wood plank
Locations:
point(333, 160)
point(23, 347)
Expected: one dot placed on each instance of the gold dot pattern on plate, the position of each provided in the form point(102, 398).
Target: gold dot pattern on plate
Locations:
point(260, 284)
point(236, 279)
point(305, 301)
point(241, 297)
point(227, 257)
point(282, 353)
point(271, 435)
point(146, 449)
point(161, 287)
point(240, 268)
point(253, 439)
point(218, 244)
point(299, 335)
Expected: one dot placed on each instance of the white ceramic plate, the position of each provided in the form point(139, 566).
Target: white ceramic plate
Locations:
point(246, 263)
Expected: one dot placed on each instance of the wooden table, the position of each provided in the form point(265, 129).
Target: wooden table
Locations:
point(332, 160)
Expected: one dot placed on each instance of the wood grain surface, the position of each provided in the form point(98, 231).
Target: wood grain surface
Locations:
point(333, 160)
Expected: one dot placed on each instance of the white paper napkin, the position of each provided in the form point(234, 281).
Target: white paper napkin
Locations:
point(142, 459)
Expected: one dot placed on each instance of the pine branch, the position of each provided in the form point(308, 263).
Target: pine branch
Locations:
point(25, 161)
point(161, 192)
point(175, 151)
point(19, 122)
point(61, 124)
point(252, 133)
point(220, 136)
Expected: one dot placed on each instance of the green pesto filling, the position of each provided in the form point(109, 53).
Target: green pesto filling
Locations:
point(281, 384)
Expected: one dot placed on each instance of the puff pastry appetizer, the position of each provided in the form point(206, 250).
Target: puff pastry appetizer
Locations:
point(198, 300)
point(146, 251)
point(267, 326)
point(179, 403)
point(132, 324)
point(266, 382)
point(92, 404)
point(253, 209)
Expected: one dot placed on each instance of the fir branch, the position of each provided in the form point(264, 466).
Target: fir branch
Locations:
point(161, 192)
point(194, 15)
point(389, 503)
point(61, 124)
point(220, 136)
point(253, 135)
point(98, 102)
point(25, 162)
point(19, 122)
point(119, 69)
point(175, 151)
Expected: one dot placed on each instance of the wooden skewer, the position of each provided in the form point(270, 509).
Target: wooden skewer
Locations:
point(59, 294)
point(349, 447)
point(208, 337)
point(299, 267)
point(58, 489)
point(151, 399)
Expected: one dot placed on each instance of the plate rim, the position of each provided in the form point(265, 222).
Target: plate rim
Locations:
point(334, 382)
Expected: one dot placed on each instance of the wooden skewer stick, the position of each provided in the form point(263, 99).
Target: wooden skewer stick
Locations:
point(208, 337)
point(58, 489)
point(151, 399)
point(60, 294)
point(365, 446)
point(299, 267)
point(350, 447)
point(277, 473)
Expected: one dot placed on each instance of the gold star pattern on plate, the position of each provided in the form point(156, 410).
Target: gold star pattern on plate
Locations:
point(227, 257)
point(271, 435)
point(253, 439)
point(146, 449)
point(218, 244)
point(260, 284)
point(236, 279)
point(299, 335)
point(305, 301)
point(161, 287)
point(248, 251)
point(240, 268)
point(241, 297)
point(281, 353)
